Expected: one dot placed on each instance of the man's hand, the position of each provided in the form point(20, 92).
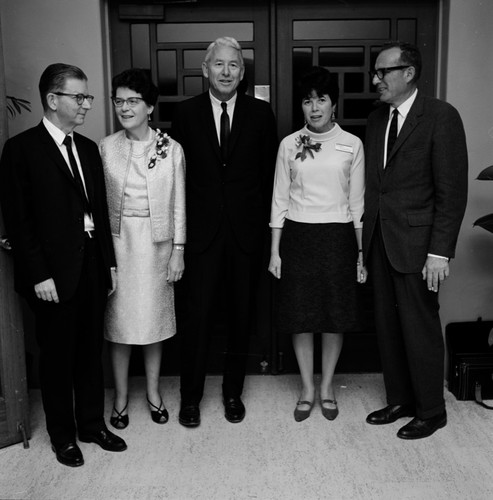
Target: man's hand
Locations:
point(46, 290)
point(435, 271)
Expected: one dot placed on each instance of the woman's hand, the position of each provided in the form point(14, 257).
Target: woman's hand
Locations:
point(361, 272)
point(114, 281)
point(176, 266)
point(275, 266)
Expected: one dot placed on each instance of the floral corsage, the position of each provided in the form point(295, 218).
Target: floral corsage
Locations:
point(305, 142)
point(162, 145)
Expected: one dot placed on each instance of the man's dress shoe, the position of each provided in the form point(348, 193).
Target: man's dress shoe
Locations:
point(189, 415)
point(419, 428)
point(68, 454)
point(390, 414)
point(106, 439)
point(234, 409)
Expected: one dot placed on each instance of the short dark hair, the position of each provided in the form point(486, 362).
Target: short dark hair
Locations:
point(410, 55)
point(139, 80)
point(54, 77)
point(321, 81)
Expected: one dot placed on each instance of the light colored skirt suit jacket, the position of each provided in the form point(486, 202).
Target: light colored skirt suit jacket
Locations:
point(147, 215)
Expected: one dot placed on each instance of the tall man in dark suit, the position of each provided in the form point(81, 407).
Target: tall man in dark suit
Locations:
point(230, 144)
point(54, 202)
point(416, 189)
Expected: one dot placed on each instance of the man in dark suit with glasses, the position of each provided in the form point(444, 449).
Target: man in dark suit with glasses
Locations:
point(54, 203)
point(416, 190)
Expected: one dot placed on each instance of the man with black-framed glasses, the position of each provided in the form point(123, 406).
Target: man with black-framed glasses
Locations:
point(416, 191)
point(54, 204)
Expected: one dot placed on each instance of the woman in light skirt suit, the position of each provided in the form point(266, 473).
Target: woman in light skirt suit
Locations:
point(144, 171)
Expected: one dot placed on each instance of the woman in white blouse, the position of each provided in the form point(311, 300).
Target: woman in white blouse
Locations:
point(317, 206)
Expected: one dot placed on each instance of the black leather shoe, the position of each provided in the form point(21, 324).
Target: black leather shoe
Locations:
point(234, 409)
point(106, 439)
point(390, 414)
point(189, 415)
point(418, 428)
point(68, 454)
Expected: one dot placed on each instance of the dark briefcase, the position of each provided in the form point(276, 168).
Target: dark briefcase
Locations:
point(470, 349)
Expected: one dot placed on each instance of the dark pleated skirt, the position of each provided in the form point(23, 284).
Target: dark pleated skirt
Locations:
point(317, 291)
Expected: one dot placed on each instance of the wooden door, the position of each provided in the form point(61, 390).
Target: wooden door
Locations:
point(280, 38)
point(345, 37)
point(171, 40)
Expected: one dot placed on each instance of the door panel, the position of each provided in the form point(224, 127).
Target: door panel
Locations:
point(173, 48)
point(280, 40)
point(345, 38)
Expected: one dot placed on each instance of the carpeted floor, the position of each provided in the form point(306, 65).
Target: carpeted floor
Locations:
point(268, 456)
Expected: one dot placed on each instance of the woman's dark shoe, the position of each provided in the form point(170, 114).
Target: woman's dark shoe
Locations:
point(329, 413)
point(160, 414)
point(119, 421)
point(300, 415)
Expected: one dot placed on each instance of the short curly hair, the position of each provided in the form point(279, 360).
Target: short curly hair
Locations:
point(321, 81)
point(139, 80)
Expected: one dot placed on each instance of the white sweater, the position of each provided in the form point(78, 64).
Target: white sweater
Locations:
point(326, 188)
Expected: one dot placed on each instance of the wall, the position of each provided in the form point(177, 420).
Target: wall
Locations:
point(36, 34)
point(468, 86)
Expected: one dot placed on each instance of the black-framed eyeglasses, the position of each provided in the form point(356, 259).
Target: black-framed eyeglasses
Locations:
point(131, 101)
point(79, 98)
point(381, 72)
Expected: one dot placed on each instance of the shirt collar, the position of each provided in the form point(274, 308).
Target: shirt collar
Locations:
point(404, 108)
point(217, 103)
point(57, 134)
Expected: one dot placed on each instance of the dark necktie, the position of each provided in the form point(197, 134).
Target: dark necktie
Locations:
point(392, 132)
point(225, 131)
point(75, 171)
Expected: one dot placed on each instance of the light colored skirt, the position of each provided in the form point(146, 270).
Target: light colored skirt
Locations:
point(142, 309)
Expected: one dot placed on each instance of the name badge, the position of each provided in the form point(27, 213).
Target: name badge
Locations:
point(344, 148)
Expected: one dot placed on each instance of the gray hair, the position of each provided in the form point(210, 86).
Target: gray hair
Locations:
point(224, 41)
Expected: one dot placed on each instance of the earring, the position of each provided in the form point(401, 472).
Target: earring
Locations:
point(148, 117)
point(333, 117)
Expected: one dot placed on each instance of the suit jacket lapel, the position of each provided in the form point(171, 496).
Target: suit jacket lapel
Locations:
point(238, 118)
point(382, 127)
point(208, 123)
point(53, 152)
point(85, 163)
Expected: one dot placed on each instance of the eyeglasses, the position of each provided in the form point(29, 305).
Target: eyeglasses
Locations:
point(79, 98)
point(381, 72)
point(131, 101)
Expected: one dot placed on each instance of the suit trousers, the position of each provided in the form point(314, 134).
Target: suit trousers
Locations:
point(223, 269)
point(70, 337)
point(409, 335)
